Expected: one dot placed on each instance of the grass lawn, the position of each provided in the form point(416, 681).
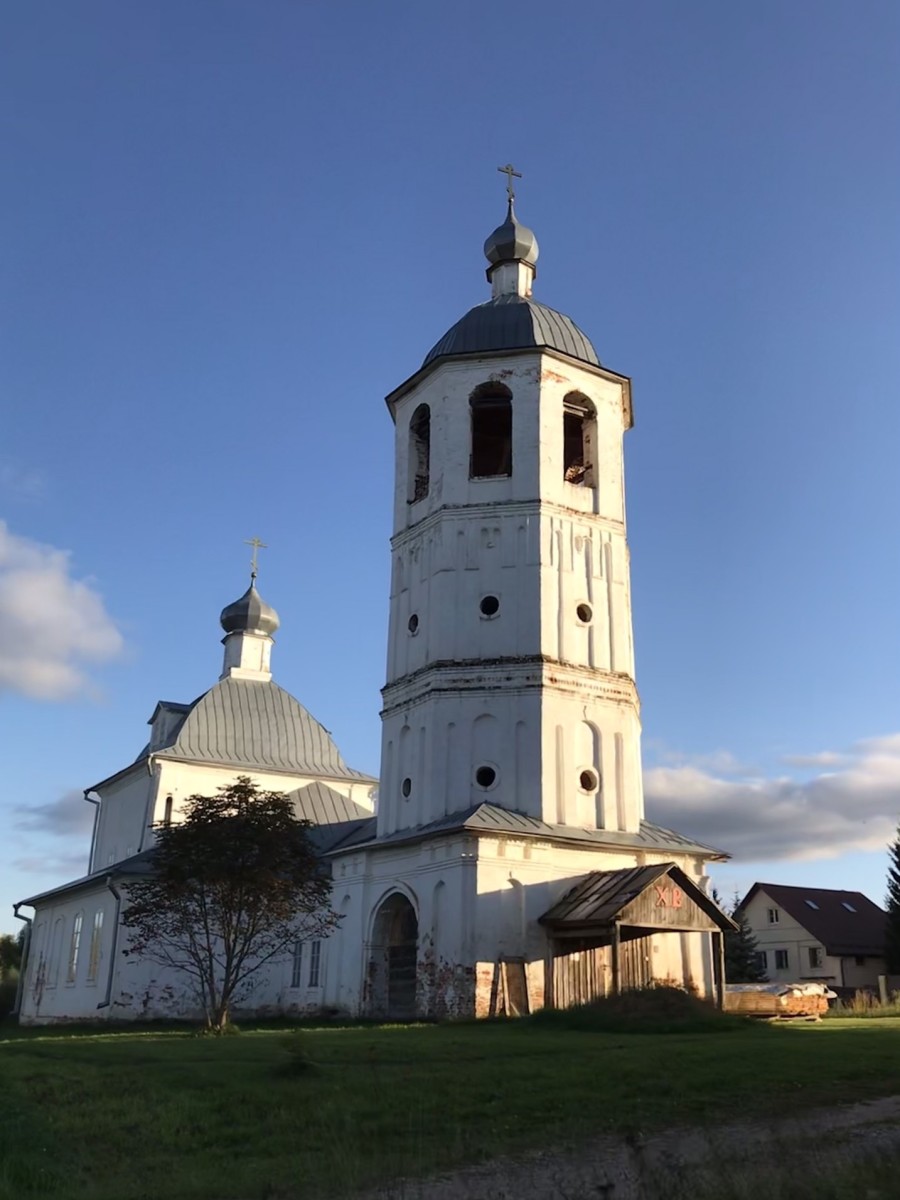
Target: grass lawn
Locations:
point(145, 1115)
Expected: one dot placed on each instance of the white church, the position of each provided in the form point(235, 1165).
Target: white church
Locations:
point(506, 863)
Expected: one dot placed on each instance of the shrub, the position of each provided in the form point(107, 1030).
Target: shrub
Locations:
point(660, 1009)
point(297, 1059)
point(8, 986)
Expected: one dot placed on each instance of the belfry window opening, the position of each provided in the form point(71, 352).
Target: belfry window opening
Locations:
point(491, 408)
point(579, 436)
point(419, 453)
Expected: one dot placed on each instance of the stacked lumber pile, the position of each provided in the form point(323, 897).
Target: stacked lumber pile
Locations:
point(778, 1000)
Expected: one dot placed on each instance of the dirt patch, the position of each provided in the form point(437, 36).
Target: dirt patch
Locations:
point(620, 1168)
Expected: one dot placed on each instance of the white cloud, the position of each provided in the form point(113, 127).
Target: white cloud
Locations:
point(822, 758)
point(855, 806)
point(51, 624)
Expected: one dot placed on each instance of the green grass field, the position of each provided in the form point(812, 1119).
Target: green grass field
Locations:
point(143, 1115)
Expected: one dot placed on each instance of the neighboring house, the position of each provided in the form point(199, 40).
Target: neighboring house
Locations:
point(817, 933)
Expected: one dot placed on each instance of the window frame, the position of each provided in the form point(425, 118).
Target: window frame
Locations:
point(782, 960)
point(297, 964)
point(774, 916)
point(816, 957)
point(74, 948)
point(94, 947)
point(419, 452)
point(490, 398)
point(315, 964)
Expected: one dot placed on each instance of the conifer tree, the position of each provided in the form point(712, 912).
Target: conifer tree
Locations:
point(742, 963)
point(892, 903)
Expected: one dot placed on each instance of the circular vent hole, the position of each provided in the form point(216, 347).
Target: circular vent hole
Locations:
point(485, 777)
point(588, 781)
point(585, 613)
point(413, 624)
point(490, 606)
point(406, 787)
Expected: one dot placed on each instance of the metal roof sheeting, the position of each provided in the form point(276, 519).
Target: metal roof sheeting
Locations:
point(251, 723)
point(513, 323)
point(491, 818)
point(322, 805)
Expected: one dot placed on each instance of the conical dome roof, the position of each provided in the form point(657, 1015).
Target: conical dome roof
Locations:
point(511, 242)
point(250, 614)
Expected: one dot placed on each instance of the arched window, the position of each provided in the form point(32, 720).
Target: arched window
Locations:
point(167, 813)
point(491, 407)
point(579, 437)
point(74, 947)
point(419, 453)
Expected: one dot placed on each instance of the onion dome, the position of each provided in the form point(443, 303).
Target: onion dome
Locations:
point(511, 242)
point(250, 614)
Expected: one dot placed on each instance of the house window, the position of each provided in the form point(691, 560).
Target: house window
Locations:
point(419, 453)
point(781, 960)
point(491, 415)
point(578, 437)
point(816, 956)
point(849, 907)
point(315, 957)
point(297, 965)
point(74, 945)
point(773, 916)
point(812, 904)
point(762, 960)
point(94, 950)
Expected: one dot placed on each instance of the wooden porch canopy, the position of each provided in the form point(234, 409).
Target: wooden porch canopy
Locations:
point(608, 907)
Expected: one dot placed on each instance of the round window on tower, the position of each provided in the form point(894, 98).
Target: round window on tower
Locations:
point(584, 613)
point(413, 624)
point(490, 606)
point(486, 776)
point(406, 787)
point(588, 781)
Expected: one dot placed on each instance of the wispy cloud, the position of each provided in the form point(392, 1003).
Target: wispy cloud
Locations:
point(51, 624)
point(70, 814)
point(822, 758)
point(21, 483)
point(852, 805)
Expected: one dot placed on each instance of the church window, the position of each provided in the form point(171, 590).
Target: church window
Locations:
point(297, 964)
point(315, 958)
point(406, 787)
point(419, 453)
point(584, 613)
point(491, 409)
point(486, 777)
point(74, 946)
point(413, 624)
point(490, 606)
point(94, 950)
point(167, 814)
point(588, 781)
point(579, 435)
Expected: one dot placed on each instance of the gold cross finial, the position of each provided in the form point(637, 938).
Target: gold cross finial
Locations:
point(254, 563)
point(511, 173)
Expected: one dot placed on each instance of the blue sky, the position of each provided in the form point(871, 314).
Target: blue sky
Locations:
point(232, 228)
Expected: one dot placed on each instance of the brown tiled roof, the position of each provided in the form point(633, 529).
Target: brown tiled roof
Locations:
point(844, 922)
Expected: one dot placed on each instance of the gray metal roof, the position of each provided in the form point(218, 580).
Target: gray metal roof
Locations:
point(512, 241)
point(322, 805)
point(512, 322)
point(490, 818)
point(137, 864)
point(250, 723)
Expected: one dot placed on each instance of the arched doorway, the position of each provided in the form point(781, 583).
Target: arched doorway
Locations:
point(392, 966)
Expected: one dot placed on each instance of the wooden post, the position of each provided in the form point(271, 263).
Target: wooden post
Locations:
point(719, 948)
point(615, 958)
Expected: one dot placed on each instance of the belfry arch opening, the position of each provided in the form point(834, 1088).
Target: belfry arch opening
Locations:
point(419, 453)
point(393, 959)
point(491, 417)
point(579, 439)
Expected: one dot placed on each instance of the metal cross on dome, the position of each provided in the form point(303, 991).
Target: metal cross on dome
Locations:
point(254, 561)
point(511, 173)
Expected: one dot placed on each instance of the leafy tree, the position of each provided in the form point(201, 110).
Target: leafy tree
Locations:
point(233, 887)
point(892, 902)
point(742, 963)
point(10, 954)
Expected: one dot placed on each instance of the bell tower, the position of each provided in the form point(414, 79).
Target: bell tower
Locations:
point(510, 671)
